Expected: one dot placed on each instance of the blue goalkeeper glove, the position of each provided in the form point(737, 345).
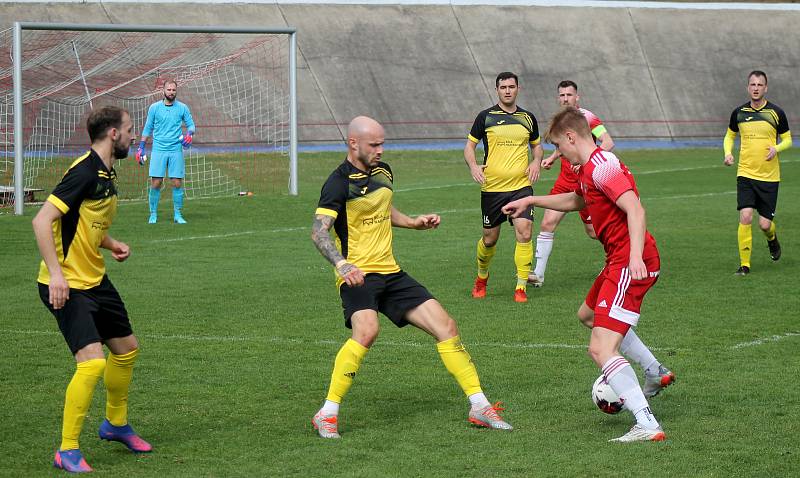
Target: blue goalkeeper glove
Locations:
point(141, 157)
point(187, 140)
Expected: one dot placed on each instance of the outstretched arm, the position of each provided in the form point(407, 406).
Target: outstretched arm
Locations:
point(119, 250)
point(320, 234)
point(559, 202)
point(423, 221)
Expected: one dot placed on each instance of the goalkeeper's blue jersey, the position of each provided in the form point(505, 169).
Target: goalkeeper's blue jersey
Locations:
point(164, 125)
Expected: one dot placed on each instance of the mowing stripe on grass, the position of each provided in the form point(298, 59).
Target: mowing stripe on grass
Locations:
point(288, 340)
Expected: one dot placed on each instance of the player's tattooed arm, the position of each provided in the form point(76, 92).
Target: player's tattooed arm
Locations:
point(350, 273)
point(322, 238)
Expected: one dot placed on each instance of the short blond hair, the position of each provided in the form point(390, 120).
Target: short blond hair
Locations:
point(568, 118)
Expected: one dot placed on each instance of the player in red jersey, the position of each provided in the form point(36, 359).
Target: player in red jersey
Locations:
point(567, 182)
point(607, 189)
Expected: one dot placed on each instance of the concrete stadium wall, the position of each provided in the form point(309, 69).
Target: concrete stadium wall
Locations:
point(426, 70)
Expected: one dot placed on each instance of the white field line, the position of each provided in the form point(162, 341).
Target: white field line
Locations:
point(232, 234)
point(766, 340)
point(689, 196)
point(637, 173)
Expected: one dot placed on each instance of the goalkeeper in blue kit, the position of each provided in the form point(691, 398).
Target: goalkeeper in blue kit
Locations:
point(165, 120)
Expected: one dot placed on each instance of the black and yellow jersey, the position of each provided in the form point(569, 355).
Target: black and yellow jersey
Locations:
point(505, 137)
point(759, 129)
point(87, 196)
point(361, 203)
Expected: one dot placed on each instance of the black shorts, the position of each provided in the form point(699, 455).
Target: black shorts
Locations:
point(492, 203)
point(91, 315)
point(391, 294)
point(759, 195)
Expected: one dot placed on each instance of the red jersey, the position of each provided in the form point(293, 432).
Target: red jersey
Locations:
point(597, 129)
point(602, 181)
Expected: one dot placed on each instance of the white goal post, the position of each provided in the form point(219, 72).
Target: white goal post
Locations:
point(240, 84)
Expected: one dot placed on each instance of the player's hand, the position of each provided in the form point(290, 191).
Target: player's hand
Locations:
point(120, 251)
point(187, 140)
point(533, 171)
point(427, 221)
point(141, 157)
point(637, 268)
point(728, 160)
point(547, 162)
point(516, 208)
point(59, 290)
point(477, 173)
point(771, 153)
point(351, 274)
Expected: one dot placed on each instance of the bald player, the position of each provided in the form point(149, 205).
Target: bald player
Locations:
point(356, 202)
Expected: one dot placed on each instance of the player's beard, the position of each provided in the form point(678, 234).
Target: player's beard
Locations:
point(120, 150)
point(170, 98)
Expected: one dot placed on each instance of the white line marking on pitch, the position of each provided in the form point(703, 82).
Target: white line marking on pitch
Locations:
point(232, 234)
point(764, 340)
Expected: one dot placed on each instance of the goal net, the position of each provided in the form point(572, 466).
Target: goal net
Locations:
point(237, 85)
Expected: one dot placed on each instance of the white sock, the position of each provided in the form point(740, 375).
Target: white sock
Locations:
point(478, 401)
point(544, 246)
point(330, 408)
point(633, 348)
point(620, 375)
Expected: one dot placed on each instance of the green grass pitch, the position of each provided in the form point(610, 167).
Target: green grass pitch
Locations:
point(239, 324)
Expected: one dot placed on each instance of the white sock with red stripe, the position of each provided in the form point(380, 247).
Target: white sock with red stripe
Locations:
point(544, 246)
point(620, 375)
point(633, 348)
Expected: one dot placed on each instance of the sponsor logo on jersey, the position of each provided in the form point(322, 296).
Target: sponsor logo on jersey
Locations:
point(375, 220)
point(602, 303)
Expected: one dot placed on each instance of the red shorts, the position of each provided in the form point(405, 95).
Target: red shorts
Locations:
point(617, 299)
point(568, 182)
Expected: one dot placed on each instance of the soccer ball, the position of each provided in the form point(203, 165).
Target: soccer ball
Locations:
point(605, 398)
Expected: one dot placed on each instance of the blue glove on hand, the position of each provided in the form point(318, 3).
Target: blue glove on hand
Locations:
point(187, 140)
point(141, 157)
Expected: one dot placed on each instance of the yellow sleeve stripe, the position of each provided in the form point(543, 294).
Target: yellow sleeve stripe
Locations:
point(536, 141)
point(786, 142)
point(326, 212)
point(727, 143)
point(599, 130)
point(58, 203)
point(473, 139)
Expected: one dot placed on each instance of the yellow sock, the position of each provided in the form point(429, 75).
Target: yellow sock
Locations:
point(347, 362)
point(459, 364)
point(119, 369)
point(745, 244)
point(523, 257)
point(770, 233)
point(77, 400)
point(485, 255)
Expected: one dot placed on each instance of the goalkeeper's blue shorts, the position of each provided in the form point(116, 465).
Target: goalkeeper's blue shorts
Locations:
point(163, 161)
